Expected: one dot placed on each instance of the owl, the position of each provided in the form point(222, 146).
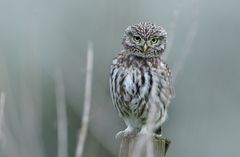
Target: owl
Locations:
point(140, 80)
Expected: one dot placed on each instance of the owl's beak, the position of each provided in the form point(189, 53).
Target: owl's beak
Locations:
point(145, 48)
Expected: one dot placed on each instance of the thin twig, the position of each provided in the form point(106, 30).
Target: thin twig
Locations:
point(140, 143)
point(145, 140)
point(171, 33)
point(61, 116)
point(150, 127)
point(87, 103)
point(188, 42)
point(2, 105)
point(150, 152)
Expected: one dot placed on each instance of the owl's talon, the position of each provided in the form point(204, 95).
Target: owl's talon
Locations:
point(126, 132)
point(119, 134)
point(157, 136)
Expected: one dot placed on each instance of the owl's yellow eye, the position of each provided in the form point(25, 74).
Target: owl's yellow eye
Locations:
point(136, 39)
point(154, 40)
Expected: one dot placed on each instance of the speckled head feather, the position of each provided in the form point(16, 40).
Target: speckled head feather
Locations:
point(145, 39)
point(146, 30)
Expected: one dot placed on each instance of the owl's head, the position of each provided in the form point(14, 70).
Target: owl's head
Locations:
point(145, 40)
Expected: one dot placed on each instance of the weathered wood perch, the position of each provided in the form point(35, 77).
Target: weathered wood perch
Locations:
point(128, 146)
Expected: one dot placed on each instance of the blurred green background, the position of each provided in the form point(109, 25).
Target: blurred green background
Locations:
point(39, 36)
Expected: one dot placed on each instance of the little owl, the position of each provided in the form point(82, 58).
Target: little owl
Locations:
point(140, 79)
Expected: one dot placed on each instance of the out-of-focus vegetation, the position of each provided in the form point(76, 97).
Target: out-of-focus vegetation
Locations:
point(37, 37)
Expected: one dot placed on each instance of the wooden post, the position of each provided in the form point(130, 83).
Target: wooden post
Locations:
point(128, 146)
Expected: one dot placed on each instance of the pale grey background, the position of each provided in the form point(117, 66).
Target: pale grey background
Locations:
point(38, 36)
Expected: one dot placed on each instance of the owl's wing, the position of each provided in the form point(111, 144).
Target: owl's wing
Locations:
point(170, 83)
point(166, 84)
point(114, 76)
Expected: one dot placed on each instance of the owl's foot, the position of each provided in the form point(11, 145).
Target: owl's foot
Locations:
point(158, 132)
point(127, 132)
point(157, 136)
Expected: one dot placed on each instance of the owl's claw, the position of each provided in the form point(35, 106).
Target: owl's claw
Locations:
point(145, 131)
point(157, 136)
point(127, 132)
point(130, 132)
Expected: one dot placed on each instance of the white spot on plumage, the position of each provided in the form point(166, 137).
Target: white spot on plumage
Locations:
point(162, 46)
point(114, 61)
point(128, 83)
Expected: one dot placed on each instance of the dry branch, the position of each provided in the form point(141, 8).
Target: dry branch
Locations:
point(2, 105)
point(61, 116)
point(189, 41)
point(171, 33)
point(87, 103)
